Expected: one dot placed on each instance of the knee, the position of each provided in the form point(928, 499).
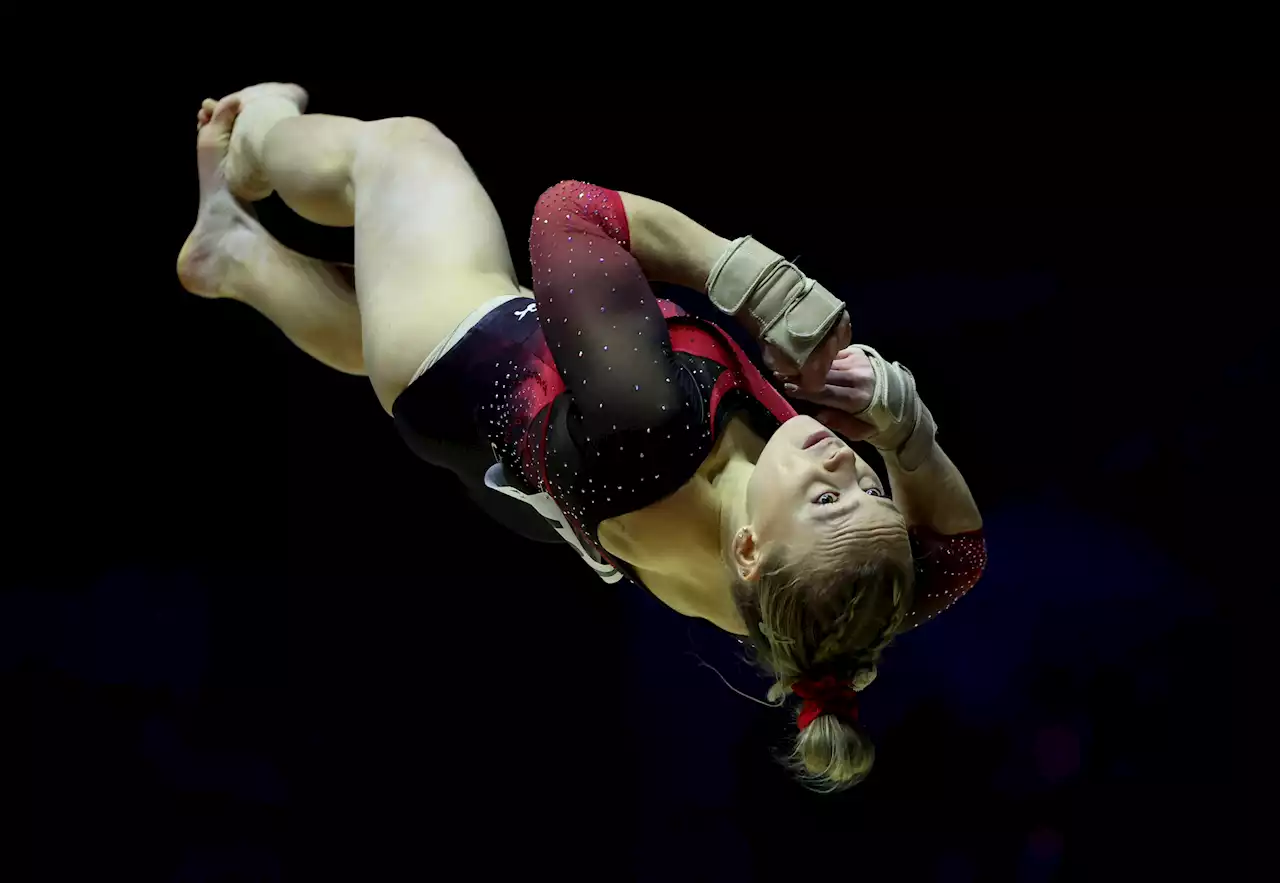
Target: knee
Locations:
point(398, 131)
point(384, 145)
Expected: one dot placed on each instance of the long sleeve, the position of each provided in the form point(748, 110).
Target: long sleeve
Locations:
point(947, 567)
point(602, 322)
point(632, 424)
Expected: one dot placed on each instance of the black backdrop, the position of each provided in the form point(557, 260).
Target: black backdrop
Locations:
point(251, 638)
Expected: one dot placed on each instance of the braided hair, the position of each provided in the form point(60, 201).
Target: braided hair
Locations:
point(805, 623)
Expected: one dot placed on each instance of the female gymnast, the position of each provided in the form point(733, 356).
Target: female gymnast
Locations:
point(591, 412)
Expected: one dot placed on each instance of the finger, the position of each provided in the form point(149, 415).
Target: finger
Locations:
point(778, 361)
point(822, 396)
point(844, 331)
point(841, 376)
point(839, 332)
point(837, 398)
point(814, 374)
point(813, 379)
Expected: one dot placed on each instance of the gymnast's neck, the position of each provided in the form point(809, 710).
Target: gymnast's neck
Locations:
point(729, 470)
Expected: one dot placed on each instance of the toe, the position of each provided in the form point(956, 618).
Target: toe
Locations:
point(205, 113)
point(221, 117)
point(214, 139)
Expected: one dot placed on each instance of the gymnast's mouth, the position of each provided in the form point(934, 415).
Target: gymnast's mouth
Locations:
point(815, 438)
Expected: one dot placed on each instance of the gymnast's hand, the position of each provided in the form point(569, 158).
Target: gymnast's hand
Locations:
point(812, 376)
point(845, 390)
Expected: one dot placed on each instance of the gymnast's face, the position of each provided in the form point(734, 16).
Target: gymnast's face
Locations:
point(812, 495)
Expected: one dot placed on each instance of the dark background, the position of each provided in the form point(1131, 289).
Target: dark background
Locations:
point(248, 637)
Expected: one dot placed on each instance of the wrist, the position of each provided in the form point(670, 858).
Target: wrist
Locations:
point(919, 444)
point(772, 299)
point(707, 250)
point(896, 461)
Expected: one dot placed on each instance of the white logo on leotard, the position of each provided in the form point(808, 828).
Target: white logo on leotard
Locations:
point(496, 478)
point(532, 308)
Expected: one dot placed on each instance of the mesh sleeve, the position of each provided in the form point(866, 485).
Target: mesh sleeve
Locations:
point(947, 567)
point(602, 322)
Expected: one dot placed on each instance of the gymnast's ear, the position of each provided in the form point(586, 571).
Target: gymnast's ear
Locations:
point(744, 555)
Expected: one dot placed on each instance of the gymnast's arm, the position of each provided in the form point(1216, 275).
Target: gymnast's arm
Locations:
point(934, 495)
point(946, 532)
point(946, 527)
point(670, 246)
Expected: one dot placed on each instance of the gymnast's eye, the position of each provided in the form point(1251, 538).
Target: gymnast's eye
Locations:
point(826, 498)
point(873, 491)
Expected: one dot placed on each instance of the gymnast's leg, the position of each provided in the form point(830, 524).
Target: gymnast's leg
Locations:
point(429, 245)
point(229, 254)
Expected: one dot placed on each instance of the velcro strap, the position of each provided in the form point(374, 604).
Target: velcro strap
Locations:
point(904, 426)
point(769, 295)
point(811, 315)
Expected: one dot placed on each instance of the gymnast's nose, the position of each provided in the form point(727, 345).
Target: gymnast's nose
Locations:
point(841, 455)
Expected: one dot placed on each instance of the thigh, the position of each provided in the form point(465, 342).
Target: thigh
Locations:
point(428, 243)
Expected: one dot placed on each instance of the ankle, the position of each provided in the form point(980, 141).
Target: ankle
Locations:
point(258, 118)
point(219, 262)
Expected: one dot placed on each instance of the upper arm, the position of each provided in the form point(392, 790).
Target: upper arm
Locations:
point(947, 567)
point(602, 322)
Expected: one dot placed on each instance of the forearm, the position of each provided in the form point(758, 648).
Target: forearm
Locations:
point(752, 283)
point(670, 246)
point(934, 495)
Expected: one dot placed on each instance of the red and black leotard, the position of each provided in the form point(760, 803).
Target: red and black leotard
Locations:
point(616, 399)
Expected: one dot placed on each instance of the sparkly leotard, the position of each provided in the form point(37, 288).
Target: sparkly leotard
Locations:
point(610, 402)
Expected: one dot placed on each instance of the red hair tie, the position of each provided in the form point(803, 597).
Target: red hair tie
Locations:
point(826, 695)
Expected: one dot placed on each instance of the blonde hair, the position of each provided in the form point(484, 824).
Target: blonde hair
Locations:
point(804, 622)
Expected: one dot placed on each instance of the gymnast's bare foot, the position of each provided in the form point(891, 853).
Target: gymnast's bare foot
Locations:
point(256, 110)
point(226, 232)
